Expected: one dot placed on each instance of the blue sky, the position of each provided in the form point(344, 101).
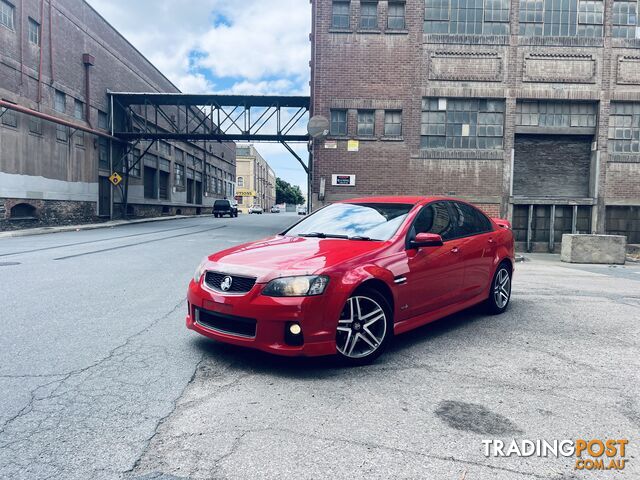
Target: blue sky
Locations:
point(256, 47)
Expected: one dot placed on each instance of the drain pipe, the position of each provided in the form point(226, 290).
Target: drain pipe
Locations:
point(41, 47)
point(51, 41)
point(88, 61)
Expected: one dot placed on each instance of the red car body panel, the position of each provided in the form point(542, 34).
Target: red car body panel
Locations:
point(422, 285)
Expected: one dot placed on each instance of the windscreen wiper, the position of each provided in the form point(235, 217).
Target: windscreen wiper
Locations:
point(363, 238)
point(323, 235)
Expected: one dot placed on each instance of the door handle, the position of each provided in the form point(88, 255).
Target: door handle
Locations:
point(455, 250)
point(491, 240)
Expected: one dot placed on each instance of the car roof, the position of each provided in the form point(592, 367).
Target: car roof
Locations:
point(397, 199)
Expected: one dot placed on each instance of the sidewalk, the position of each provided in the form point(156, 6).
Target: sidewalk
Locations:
point(91, 226)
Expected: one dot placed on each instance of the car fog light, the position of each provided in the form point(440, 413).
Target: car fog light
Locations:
point(295, 329)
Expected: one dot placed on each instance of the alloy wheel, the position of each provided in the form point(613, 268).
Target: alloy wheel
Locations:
point(362, 327)
point(502, 288)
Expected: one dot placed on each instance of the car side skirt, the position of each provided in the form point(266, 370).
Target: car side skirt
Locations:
point(420, 320)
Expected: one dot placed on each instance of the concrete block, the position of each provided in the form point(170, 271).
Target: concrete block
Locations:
point(607, 249)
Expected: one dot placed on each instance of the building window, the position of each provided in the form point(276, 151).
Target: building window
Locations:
point(179, 175)
point(241, 182)
point(555, 114)
point(625, 19)
point(369, 15)
point(103, 153)
point(9, 118)
point(338, 122)
point(395, 16)
point(164, 148)
point(35, 125)
point(78, 109)
point(103, 120)
point(134, 163)
point(6, 14)
point(562, 18)
point(462, 123)
point(60, 101)
point(341, 16)
point(34, 31)
point(62, 133)
point(474, 17)
point(78, 113)
point(393, 123)
point(624, 128)
point(366, 123)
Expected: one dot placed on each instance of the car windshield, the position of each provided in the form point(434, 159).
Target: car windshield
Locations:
point(221, 203)
point(356, 221)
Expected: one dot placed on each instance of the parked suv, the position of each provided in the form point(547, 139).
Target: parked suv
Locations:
point(225, 207)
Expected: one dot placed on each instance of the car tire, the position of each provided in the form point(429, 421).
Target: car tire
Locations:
point(369, 331)
point(500, 291)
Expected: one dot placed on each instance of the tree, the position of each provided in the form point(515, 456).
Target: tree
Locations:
point(287, 193)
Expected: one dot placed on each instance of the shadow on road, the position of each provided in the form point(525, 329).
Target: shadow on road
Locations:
point(326, 367)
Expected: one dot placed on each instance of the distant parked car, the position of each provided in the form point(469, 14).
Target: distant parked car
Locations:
point(257, 209)
point(225, 207)
point(275, 209)
point(302, 210)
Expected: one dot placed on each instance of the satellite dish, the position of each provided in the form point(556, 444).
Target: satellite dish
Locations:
point(318, 127)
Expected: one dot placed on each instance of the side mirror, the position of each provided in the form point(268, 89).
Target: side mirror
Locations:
point(427, 240)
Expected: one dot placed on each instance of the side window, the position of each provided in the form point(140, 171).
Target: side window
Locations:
point(469, 220)
point(435, 218)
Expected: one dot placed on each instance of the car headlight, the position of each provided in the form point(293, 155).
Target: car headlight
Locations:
point(199, 271)
point(302, 286)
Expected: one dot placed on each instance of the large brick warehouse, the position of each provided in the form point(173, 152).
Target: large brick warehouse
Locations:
point(60, 58)
point(529, 108)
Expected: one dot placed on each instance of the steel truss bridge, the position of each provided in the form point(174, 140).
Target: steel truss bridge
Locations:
point(137, 117)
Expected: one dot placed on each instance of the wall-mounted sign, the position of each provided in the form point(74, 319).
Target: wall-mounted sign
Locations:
point(341, 180)
point(332, 144)
point(353, 146)
point(245, 192)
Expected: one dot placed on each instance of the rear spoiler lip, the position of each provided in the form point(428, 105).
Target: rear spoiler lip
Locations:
point(501, 222)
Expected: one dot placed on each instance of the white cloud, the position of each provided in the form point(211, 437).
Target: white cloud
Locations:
point(247, 47)
point(261, 42)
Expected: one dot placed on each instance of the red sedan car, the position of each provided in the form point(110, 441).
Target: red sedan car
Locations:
point(350, 276)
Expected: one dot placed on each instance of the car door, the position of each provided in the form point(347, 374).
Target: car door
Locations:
point(435, 274)
point(477, 248)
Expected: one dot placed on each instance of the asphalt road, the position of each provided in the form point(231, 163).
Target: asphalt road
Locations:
point(99, 378)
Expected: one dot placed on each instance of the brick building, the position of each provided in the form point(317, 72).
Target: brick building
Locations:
point(529, 108)
point(53, 174)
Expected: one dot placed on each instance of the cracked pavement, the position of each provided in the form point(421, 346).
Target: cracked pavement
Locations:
point(100, 378)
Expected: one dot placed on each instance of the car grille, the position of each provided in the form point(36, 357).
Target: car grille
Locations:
point(238, 284)
point(230, 324)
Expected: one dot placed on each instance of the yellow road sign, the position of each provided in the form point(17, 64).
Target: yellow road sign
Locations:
point(115, 178)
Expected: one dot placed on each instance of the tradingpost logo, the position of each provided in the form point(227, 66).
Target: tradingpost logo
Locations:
point(591, 454)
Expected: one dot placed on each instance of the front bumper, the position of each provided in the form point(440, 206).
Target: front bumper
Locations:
point(315, 315)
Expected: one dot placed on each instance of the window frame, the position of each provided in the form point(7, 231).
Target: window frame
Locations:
point(366, 125)
point(393, 5)
point(338, 17)
point(34, 32)
point(391, 112)
point(411, 233)
point(6, 116)
point(11, 15)
point(334, 133)
point(60, 96)
point(364, 20)
point(452, 205)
